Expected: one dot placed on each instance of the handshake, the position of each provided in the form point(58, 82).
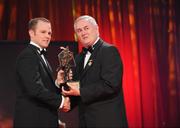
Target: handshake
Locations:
point(68, 88)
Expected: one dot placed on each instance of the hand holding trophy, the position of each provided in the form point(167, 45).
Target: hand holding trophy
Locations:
point(66, 63)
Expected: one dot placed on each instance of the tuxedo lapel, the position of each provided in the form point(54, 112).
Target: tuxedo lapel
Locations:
point(46, 67)
point(92, 58)
point(81, 63)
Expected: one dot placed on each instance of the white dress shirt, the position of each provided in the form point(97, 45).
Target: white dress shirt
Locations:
point(88, 54)
point(42, 56)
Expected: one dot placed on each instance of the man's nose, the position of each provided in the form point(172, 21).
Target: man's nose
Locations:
point(83, 32)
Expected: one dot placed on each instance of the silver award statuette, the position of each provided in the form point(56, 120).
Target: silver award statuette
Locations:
point(66, 63)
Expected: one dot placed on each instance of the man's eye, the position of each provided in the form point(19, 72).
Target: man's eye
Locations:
point(50, 33)
point(43, 32)
point(86, 28)
point(79, 30)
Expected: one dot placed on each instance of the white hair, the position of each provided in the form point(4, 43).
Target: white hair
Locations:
point(86, 17)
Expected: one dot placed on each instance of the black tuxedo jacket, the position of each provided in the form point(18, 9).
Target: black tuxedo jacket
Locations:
point(38, 98)
point(101, 102)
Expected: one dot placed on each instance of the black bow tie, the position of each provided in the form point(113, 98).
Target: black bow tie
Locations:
point(43, 52)
point(85, 50)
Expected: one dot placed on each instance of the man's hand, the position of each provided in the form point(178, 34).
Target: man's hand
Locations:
point(73, 89)
point(60, 77)
point(67, 105)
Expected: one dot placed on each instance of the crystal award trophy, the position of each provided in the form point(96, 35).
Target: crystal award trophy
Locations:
point(66, 63)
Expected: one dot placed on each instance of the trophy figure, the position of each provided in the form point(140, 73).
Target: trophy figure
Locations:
point(66, 63)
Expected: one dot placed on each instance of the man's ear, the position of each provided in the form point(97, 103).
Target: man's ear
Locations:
point(31, 33)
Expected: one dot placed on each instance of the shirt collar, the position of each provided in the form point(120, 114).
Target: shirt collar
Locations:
point(95, 42)
point(31, 42)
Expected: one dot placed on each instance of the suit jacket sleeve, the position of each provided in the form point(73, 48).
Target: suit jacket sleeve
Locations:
point(30, 74)
point(109, 80)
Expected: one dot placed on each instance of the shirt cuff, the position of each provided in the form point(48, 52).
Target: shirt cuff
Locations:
point(62, 102)
point(57, 85)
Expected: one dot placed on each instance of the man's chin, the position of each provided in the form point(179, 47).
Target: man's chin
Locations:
point(86, 43)
point(46, 45)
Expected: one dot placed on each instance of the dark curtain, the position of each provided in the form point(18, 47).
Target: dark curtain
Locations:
point(146, 33)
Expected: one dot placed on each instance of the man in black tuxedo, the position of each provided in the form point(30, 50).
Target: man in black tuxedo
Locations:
point(99, 70)
point(38, 99)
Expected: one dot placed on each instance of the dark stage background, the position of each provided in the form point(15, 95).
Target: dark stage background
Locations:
point(8, 53)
